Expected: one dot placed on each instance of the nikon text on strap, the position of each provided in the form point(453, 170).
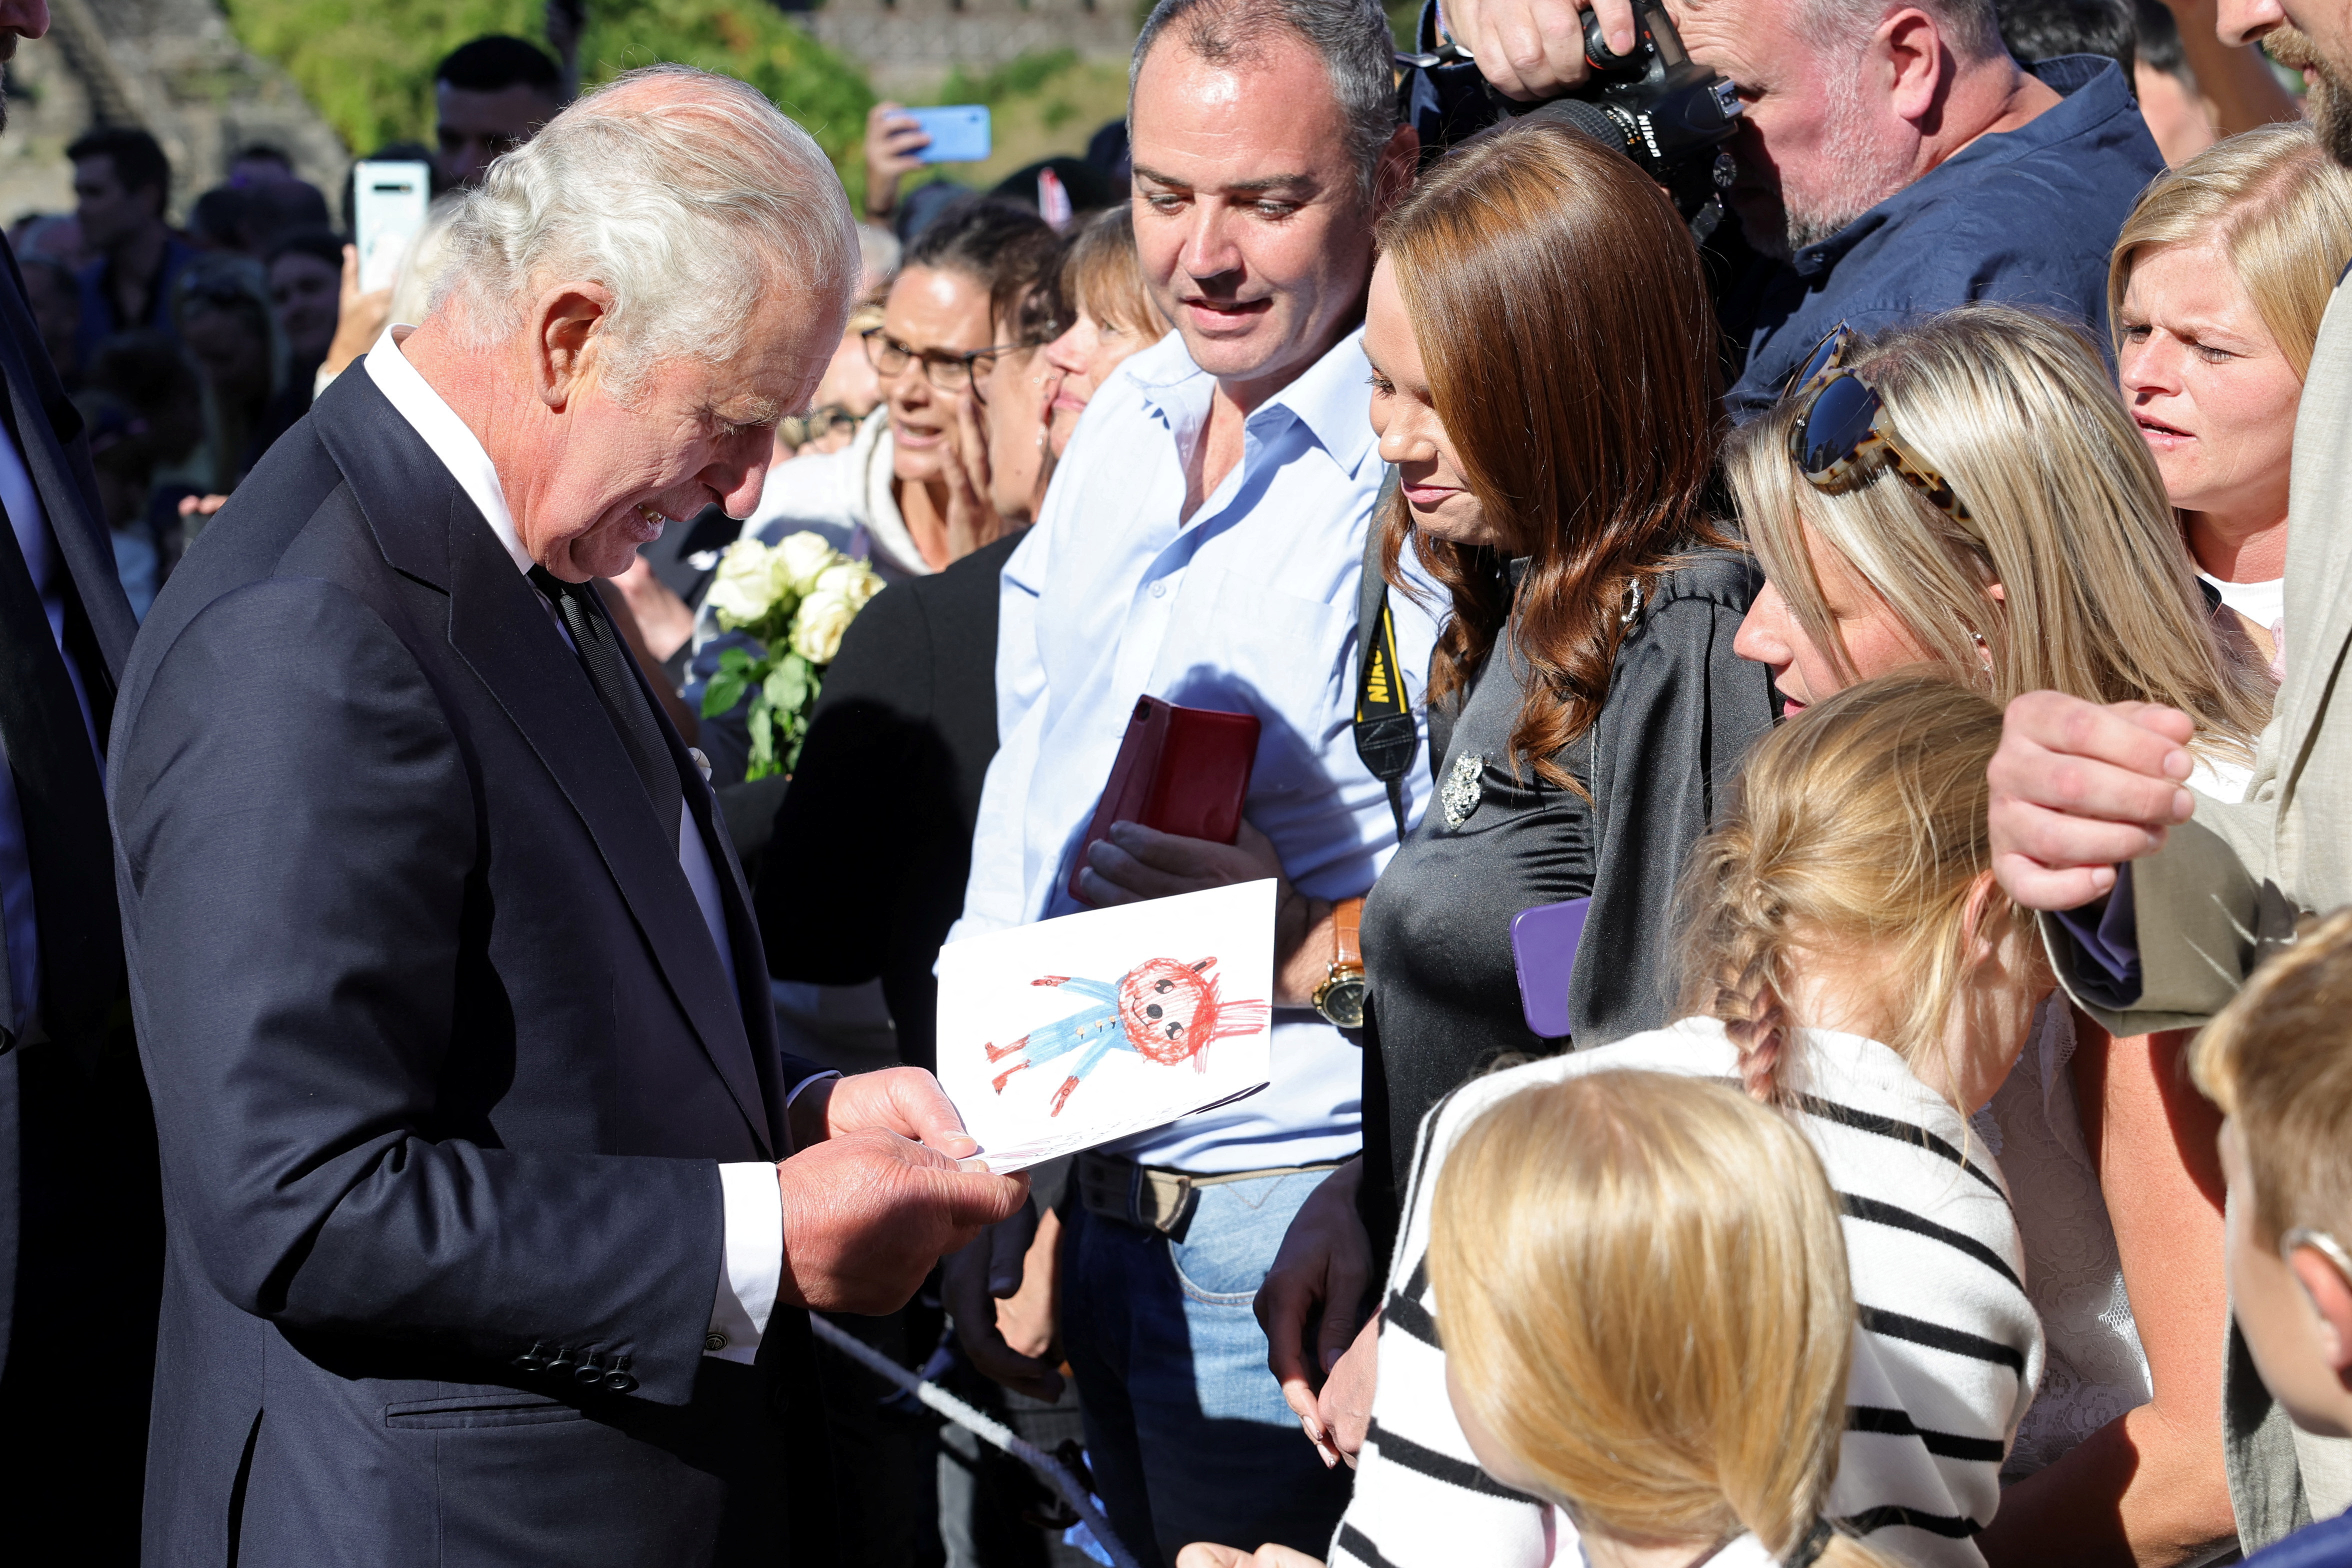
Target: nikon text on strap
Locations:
point(1385, 737)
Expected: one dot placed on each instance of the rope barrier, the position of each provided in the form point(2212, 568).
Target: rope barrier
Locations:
point(987, 1428)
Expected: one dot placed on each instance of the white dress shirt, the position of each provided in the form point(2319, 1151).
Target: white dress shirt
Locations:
point(1248, 605)
point(752, 1254)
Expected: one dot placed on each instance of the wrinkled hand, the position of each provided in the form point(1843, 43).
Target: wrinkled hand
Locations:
point(359, 319)
point(1208, 1554)
point(972, 519)
point(893, 138)
point(867, 1214)
point(907, 1101)
point(1005, 1262)
point(1346, 1406)
point(1535, 48)
point(2078, 788)
point(1325, 1260)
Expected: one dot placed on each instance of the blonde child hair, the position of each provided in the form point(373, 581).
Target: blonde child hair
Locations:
point(1856, 828)
point(2068, 515)
point(2282, 209)
point(2274, 1061)
point(1641, 1286)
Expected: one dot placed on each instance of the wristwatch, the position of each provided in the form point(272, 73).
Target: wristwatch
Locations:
point(1340, 997)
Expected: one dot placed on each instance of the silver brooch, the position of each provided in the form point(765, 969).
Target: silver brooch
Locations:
point(1460, 796)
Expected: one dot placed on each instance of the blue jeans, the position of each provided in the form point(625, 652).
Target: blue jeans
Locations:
point(1186, 1429)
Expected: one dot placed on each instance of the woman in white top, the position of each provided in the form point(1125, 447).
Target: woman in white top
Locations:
point(2030, 544)
point(1854, 964)
point(2215, 292)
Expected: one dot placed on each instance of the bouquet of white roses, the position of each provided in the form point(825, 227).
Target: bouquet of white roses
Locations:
point(795, 600)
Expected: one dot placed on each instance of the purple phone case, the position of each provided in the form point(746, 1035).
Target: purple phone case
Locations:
point(1543, 949)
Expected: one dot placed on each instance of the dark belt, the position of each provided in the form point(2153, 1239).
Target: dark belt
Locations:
point(1151, 1198)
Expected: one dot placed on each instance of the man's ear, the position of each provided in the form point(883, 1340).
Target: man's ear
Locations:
point(1910, 49)
point(2331, 1297)
point(1400, 162)
point(567, 339)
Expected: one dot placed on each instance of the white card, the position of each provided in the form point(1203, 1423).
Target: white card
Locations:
point(1071, 1033)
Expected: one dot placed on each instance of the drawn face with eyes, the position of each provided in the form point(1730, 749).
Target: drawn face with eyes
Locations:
point(1169, 1009)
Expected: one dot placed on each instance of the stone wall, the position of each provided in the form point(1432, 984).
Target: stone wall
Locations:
point(902, 41)
point(171, 65)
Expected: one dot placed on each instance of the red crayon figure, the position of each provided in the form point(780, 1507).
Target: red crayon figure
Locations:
point(1164, 1010)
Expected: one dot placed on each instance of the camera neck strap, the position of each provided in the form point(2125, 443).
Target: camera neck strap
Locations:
point(1385, 734)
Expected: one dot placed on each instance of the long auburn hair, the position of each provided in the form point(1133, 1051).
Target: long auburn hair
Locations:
point(1559, 307)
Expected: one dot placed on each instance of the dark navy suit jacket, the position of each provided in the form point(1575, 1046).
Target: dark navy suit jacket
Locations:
point(444, 1058)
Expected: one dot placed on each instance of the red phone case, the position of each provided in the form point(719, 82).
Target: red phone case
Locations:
point(1184, 771)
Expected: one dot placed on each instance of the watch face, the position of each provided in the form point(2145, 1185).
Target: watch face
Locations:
point(1340, 999)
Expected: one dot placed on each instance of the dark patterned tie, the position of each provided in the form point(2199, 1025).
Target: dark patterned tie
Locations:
point(606, 659)
point(63, 805)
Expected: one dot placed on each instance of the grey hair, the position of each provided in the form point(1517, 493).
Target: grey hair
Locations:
point(1971, 28)
point(689, 205)
point(1350, 37)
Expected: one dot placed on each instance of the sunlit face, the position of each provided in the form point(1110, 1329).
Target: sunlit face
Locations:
point(1250, 220)
point(1085, 355)
point(850, 381)
point(1877, 641)
point(2282, 1328)
point(2209, 386)
point(1411, 434)
point(1812, 155)
point(934, 309)
point(616, 474)
point(1021, 396)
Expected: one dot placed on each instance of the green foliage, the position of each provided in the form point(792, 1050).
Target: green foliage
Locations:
point(368, 64)
point(749, 39)
point(783, 689)
point(1016, 78)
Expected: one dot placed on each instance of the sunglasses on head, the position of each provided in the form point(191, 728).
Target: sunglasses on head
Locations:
point(1842, 433)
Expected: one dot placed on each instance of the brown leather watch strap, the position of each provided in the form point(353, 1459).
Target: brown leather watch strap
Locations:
point(1347, 920)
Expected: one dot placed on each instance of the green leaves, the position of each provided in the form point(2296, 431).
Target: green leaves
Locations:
point(784, 689)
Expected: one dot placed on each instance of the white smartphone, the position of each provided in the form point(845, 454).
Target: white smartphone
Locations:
point(389, 202)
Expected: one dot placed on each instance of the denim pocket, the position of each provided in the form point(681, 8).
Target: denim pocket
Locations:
point(487, 1409)
point(1235, 1230)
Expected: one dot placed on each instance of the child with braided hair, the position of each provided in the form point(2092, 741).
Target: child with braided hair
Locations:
point(1850, 963)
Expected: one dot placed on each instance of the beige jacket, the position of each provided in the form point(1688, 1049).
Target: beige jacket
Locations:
point(2230, 884)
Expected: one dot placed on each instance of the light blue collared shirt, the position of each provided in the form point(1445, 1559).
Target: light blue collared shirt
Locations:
point(1248, 606)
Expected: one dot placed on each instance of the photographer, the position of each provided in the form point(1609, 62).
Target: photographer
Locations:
point(1893, 159)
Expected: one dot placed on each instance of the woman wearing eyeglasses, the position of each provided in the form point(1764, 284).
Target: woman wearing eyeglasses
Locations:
point(1972, 494)
point(886, 497)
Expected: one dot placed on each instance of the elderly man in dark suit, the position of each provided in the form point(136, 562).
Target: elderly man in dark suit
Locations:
point(490, 1197)
point(81, 1220)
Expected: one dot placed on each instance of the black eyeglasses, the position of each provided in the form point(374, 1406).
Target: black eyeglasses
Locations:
point(946, 371)
point(1843, 434)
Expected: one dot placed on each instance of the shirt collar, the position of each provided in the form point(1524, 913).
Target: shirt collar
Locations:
point(1328, 397)
point(460, 451)
point(2091, 89)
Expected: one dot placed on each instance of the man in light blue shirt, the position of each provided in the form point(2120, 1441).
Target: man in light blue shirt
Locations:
point(1204, 543)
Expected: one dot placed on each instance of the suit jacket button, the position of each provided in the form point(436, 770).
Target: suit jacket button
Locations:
point(591, 1369)
point(534, 1358)
point(562, 1361)
point(715, 1341)
point(619, 1380)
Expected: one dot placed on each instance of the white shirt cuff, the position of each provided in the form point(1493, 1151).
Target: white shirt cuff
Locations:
point(751, 1261)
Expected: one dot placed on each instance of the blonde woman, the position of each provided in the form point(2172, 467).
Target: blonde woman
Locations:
point(1970, 495)
point(1854, 966)
point(2218, 281)
point(1111, 316)
point(1641, 1289)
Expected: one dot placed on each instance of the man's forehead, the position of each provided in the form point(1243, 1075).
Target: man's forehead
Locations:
point(1252, 117)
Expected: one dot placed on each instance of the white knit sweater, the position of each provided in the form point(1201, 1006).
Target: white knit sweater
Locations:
point(1946, 1358)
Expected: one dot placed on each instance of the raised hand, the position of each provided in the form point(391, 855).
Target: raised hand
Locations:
point(1535, 48)
point(867, 1213)
point(2078, 788)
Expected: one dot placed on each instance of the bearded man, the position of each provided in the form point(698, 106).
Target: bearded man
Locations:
point(1894, 159)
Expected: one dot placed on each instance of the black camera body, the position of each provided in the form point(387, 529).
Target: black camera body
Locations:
point(1655, 103)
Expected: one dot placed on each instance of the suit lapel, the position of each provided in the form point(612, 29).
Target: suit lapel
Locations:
point(759, 1003)
point(501, 629)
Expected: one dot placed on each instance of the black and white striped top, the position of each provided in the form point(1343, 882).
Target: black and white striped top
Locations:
point(1946, 1358)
